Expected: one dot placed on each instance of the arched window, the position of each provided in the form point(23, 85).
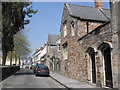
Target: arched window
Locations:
point(91, 53)
point(72, 26)
point(65, 28)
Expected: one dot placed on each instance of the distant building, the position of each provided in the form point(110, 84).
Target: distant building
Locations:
point(53, 52)
point(42, 54)
point(35, 58)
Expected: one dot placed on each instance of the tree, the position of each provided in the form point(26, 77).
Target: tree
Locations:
point(21, 47)
point(13, 14)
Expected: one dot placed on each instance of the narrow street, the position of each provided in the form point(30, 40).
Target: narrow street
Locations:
point(75, 43)
point(25, 78)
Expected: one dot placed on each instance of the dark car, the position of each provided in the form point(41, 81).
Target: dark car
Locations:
point(35, 66)
point(41, 70)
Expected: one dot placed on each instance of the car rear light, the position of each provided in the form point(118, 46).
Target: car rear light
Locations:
point(47, 70)
point(38, 70)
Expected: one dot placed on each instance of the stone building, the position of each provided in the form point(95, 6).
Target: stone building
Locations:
point(0, 49)
point(115, 25)
point(0, 34)
point(53, 52)
point(86, 40)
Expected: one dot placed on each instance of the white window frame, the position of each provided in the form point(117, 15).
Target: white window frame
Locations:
point(72, 26)
point(59, 47)
point(65, 55)
point(65, 30)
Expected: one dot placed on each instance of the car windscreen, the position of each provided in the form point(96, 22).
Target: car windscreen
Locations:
point(42, 67)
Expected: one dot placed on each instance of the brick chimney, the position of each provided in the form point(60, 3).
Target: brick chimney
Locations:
point(98, 4)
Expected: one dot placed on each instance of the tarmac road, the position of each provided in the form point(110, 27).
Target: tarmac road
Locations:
point(25, 78)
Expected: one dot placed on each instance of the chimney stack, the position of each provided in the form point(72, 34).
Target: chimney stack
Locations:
point(98, 4)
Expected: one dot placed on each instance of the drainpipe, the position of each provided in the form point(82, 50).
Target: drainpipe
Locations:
point(87, 26)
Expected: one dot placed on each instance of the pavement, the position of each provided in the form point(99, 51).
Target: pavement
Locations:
point(70, 83)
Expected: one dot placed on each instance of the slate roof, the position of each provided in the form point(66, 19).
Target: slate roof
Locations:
point(89, 13)
point(107, 12)
point(52, 39)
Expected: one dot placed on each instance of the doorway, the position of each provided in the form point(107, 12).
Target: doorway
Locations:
point(107, 64)
point(106, 52)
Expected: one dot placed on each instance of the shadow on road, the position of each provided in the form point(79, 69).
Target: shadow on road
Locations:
point(24, 72)
point(43, 76)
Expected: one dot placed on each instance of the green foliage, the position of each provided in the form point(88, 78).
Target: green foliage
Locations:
point(21, 45)
point(13, 21)
point(14, 16)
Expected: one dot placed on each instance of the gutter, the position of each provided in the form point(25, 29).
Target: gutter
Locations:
point(60, 83)
point(109, 19)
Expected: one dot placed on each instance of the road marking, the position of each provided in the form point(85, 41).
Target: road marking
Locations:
point(55, 83)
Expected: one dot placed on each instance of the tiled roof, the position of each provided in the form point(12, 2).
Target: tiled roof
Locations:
point(89, 13)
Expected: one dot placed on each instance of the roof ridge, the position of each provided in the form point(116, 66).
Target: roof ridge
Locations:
point(87, 6)
point(80, 5)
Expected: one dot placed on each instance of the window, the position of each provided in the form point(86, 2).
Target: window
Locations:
point(65, 55)
point(72, 28)
point(65, 45)
point(65, 52)
point(65, 28)
point(58, 47)
point(91, 53)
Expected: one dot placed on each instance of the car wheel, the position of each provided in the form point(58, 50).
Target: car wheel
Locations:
point(36, 74)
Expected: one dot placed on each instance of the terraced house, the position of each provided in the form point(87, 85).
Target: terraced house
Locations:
point(86, 40)
point(53, 52)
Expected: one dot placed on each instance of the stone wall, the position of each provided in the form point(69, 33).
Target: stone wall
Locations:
point(8, 70)
point(115, 24)
point(53, 58)
point(87, 34)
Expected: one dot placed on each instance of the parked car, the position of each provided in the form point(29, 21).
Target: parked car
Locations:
point(41, 70)
point(27, 67)
point(32, 66)
point(35, 66)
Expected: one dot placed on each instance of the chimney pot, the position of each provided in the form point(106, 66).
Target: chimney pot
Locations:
point(98, 4)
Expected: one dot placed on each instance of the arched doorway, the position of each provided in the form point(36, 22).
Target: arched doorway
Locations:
point(106, 52)
point(91, 53)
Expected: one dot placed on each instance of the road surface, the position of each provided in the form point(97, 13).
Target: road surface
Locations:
point(25, 78)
